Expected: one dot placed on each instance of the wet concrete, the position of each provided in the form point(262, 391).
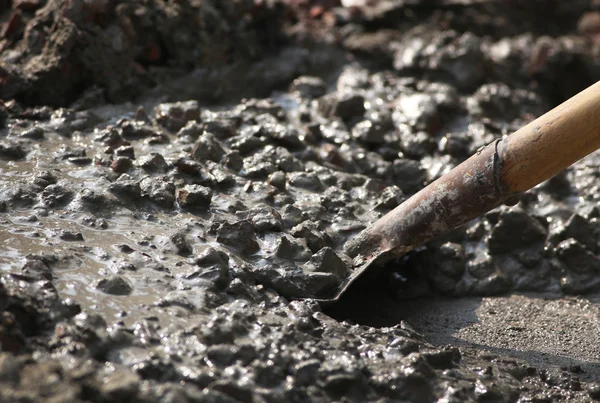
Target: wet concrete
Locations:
point(168, 246)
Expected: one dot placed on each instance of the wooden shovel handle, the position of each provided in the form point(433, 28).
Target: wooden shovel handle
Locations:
point(552, 142)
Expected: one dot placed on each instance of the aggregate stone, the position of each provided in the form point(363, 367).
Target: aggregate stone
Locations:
point(191, 131)
point(277, 179)
point(136, 130)
point(308, 87)
point(34, 133)
point(292, 216)
point(369, 132)
point(263, 219)
point(211, 256)
point(515, 230)
point(221, 128)
point(12, 151)
point(194, 197)
point(121, 164)
point(290, 248)
point(305, 180)
point(159, 190)
point(327, 261)
point(348, 105)
point(114, 285)
point(233, 160)
point(207, 148)
point(417, 145)
point(583, 231)
point(66, 235)
point(125, 151)
point(239, 236)
point(418, 110)
point(153, 163)
point(408, 175)
point(456, 144)
point(56, 195)
point(126, 186)
point(182, 243)
point(313, 237)
point(174, 116)
point(577, 257)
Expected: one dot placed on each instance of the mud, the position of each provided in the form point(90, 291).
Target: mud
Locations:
point(166, 225)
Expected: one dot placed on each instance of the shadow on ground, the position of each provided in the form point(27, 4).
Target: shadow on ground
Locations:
point(547, 331)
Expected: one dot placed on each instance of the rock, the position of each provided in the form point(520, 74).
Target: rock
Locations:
point(194, 197)
point(121, 164)
point(9, 369)
point(121, 385)
point(306, 372)
point(153, 163)
point(494, 284)
point(191, 131)
point(126, 187)
point(158, 191)
point(70, 236)
point(222, 354)
point(230, 389)
point(418, 110)
point(340, 385)
point(263, 218)
point(207, 148)
point(211, 256)
point(481, 267)
point(308, 87)
point(327, 261)
point(292, 216)
point(463, 59)
point(577, 257)
point(239, 236)
point(583, 231)
point(34, 133)
point(221, 128)
point(173, 116)
point(233, 160)
point(317, 284)
point(593, 390)
point(305, 180)
point(181, 243)
point(369, 132)
point(277, 179)
point(349, 105)
point(408, 175)
point(456, 144)
point(417, 145)
point(56, 196)
point(391, 197)
point(114, 285)
point(11, 151)
point(137, 130)
point(125, 151)
point(290, 248)
point(308, 230)
point(515, 230)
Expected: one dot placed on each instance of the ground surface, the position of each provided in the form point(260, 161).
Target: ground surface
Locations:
point(178, 180)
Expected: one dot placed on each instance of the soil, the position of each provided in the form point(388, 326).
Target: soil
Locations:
point(178, 181)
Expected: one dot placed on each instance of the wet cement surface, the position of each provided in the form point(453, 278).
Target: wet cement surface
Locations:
point(165, 230)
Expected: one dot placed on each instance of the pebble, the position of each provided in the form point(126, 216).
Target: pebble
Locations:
point(114, 285)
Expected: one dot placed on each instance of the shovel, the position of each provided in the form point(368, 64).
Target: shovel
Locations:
point(493, 176)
